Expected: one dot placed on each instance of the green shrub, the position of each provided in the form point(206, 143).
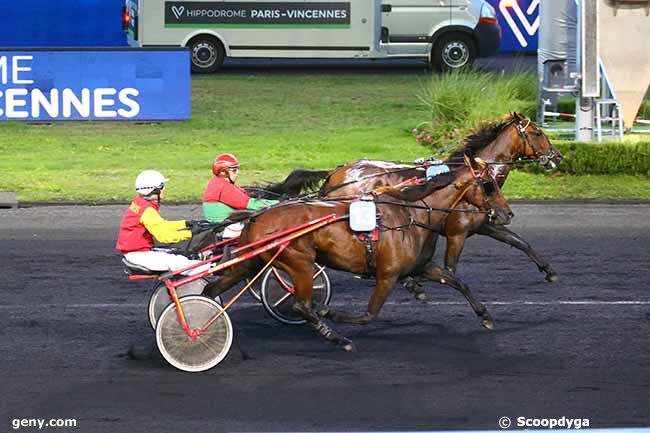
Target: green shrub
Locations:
point(459, 101)
point(601, 158)
point(566, 104)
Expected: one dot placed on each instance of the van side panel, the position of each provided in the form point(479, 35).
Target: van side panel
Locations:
point(414, 20)
point(254, 40)
point(464, 13)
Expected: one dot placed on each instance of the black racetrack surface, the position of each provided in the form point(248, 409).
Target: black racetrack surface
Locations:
point(76, 342)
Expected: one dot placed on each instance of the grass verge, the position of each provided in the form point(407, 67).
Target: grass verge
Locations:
point(273, 123)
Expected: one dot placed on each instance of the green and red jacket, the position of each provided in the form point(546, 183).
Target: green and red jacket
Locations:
point(221, 198)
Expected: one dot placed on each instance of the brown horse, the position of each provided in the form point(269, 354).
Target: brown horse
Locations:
point(409, 220)
point(499, 143)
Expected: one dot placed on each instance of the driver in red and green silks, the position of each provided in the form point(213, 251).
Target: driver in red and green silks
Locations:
point(222, 196)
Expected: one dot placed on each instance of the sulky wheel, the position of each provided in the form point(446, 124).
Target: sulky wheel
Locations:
point(255, 290)
point(277, 294)
point(160, 297)
point(194, 354)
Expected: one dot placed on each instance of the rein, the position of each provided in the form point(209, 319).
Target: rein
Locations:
point(460, 197)
point(415, 166)
point(413, 181)
point(429, 208)
point(368, 176)
point(521, 131)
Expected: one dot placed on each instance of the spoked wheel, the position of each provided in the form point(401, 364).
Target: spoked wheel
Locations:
point(277, 294)
point(160, 297)
point(255, 290)
point(194, 354)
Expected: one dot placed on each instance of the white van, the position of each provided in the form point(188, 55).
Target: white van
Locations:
point(449, 34)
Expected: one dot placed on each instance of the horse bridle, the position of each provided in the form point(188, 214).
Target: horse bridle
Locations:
point(481, 177)
point(521, 130)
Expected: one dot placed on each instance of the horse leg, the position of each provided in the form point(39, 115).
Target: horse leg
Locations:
point(304, 310)
point(300, 267)
point(453, 250)
point(413, 285)
point(228, 280)
point(380, 293)
point(502, 234)
point(444, 276)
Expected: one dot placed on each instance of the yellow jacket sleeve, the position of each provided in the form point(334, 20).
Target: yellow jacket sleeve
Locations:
point(166, 232)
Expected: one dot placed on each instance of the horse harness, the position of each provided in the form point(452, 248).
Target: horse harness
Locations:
point(369, 239)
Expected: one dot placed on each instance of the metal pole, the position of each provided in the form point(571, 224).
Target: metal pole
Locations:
point(584, 105)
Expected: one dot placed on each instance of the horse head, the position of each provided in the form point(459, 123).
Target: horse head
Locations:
point(477, 186)
point(483, 191)
point(535, 143)
point(506, 141)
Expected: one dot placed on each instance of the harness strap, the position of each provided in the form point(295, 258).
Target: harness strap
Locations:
point(460, 196)
point(368, 239)
point(408, 182)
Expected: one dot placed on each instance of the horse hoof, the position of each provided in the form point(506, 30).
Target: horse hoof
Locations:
point(488, 324)
point(348, 346)
point(322, 311)
point(552, 277)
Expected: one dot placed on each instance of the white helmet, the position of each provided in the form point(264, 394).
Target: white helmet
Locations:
point(149, 181)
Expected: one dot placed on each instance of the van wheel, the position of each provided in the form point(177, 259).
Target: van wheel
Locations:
point(207, 54)
point(453, 51)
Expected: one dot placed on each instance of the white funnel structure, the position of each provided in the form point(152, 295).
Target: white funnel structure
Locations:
point(625, 52)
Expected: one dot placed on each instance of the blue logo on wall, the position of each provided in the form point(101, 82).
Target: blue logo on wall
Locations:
point(122, 84)
point(519, 21)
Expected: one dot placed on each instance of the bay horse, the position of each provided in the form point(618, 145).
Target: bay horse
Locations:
point(409, 220)
point(501, 144)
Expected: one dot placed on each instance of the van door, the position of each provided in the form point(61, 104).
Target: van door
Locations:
point(413, 21)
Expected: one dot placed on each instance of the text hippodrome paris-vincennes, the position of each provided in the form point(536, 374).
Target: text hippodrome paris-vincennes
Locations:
point(269, 14)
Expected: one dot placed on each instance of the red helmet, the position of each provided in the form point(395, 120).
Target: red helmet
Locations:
point(224, 162)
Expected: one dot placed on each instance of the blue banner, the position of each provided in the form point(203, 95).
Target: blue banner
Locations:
point(519, 21)
point(61, 23)
point(113, 84)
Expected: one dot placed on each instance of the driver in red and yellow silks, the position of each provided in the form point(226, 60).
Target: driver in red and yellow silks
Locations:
point(222, 196)
point(142, 223)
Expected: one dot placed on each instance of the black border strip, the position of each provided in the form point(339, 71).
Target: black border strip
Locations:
point(88, 49)
point(296, 48)
point(410, 39)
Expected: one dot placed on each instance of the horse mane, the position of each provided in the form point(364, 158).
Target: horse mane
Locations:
point(482, 136)
point(418, 192)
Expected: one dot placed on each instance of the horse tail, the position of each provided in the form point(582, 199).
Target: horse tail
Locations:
point(297, 182)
